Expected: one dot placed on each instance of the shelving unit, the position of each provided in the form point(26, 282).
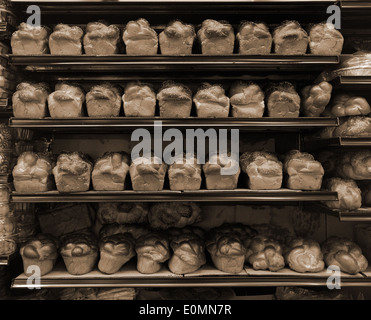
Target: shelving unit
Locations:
point(227, 67)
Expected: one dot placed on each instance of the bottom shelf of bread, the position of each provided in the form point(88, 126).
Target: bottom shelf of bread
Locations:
point(206, 276)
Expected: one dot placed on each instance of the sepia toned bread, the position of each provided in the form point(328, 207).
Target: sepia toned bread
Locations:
point(254, 38)
point(122, 212)
point(177, 39)
point(315, 98)
point(282, 101)
point(101, 39)
point(30, 40)
point(290, 39)
point(66, 40)
point(324, 39)
point(104, 100)
point(139, 100)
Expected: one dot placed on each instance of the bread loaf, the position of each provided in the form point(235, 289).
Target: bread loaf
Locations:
point(30, 100)
point(174, 100)
point(140, 38)
point(357, 127)
point(283, 101)
point(247, 100)
point(216, 37)
point(290, 39)
point(215, 180)
point(263, 169)
point(104, 100)
point(211, 102)
point(185, 173)
point(66, 40)
point(30, 39)
point(355, 165)
point(147, 175)
point(110, 171)
point(139, 100)
point(349, 195)
point(66, 101)
point(315, 98)
point(344, 105)
point(101, 39)
point(33, 173)
point(122, 212)
point(254, 38)
point(324, 39)
point(72, 172)
point(135, 230)
point(177, 38)
point(115, 251)
point(302, 170)
point(152, 251)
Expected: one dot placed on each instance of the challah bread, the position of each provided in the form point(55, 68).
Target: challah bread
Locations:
point(101, 39)
point(177, 39)
point(140, 38)
point(110, 171)
point(315, 98)
point(215, 179)
point(211, 101)
point(122, 212)
point(72, 172)
point(165, 215)
point(324, 39)
point(263, 169)
point(33, 173)
point(265, 254)
point(282, 101)
point(355, 165)
point(247, 100)
point(188, 254)
point(152, 251)
point(302, 170)
point(30, 100)
point(356, 126)
point(174, 100)
point(139, 100)
point(66, 40)
point(349, 194)
point(345, 254)
point(79, 252)
point(40, 250)
point(66, 101)
point(290, 39)
point(254, 38)
point(146, 174)
point(30, 40)
point(216, 37)
point(345, 104)
point(104, 100)
point(227, 253)
point(185, 173)
point(304, 255)
point(115, 251)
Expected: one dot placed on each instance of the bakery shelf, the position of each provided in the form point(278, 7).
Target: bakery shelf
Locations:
point(354, 4)
point(194, 62)
point(130, 123)
point(129, 277)
point(314, 144)
point(353, 82)
point(238, 195)
point(362, 214)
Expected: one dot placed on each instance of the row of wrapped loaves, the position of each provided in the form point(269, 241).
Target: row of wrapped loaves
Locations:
point(214, 37)
point(176, 100)
point(74, 172)
point(230, 247)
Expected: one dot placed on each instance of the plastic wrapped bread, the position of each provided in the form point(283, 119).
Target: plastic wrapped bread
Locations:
point(216, 37)
point(254, 38)
point(177, 38)
point(66, 40)
point(140, 38)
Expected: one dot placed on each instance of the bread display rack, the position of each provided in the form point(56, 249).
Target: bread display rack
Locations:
point(121, 67)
